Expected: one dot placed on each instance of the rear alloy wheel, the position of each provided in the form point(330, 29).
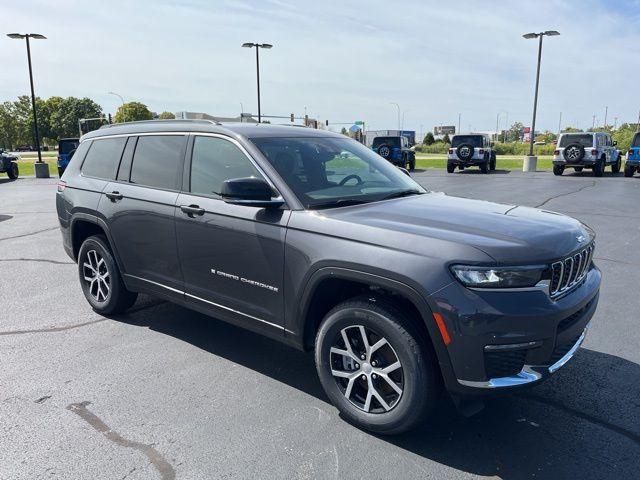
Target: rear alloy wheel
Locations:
point(374, 367)
point(558, 170)
point(100, 278)
point(629, 170)
point(484, 167)
point(451, 167)
point(13, 171)
point(615, 168)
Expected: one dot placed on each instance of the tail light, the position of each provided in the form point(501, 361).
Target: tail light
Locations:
point(481, 151)
point(593, 152)
point(62, 185)
point(556, 152)
point(451, 150)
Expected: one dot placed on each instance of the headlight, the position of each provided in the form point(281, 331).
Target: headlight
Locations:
point(498, 277)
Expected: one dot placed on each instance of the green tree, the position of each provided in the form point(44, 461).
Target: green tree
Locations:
point(429, 139)
point(166, 116)
point(8, 126)
point(624, 135)
point(514, 133)
point(546, 137)
point(64, 114)
point(446, 138)
point(132, 112)
point(571, 130)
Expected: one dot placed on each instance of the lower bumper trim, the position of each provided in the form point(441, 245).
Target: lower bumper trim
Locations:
point(529, 373)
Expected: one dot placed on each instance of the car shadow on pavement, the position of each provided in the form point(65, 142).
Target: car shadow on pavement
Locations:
point(477, 171)
point(582, 423)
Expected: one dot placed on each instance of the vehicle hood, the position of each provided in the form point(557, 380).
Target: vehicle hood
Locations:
point(507, 233)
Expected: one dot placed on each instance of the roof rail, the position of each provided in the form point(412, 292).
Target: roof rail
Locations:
point(161, 120)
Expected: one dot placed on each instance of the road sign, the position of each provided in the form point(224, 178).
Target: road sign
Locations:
point(359, 122)
point(444, 130)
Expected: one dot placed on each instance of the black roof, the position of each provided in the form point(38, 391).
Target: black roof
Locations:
point(250, 130)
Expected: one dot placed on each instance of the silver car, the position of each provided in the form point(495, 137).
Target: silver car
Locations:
point(593, 150)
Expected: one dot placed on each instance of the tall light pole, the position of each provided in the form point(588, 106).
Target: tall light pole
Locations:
point(258, 46)
point(497, 136)
point(124, 112)
point(606, 111)
point(398, 107)
point(531, 163)
point(37, 36)
point(459, 115)
point(560, 124)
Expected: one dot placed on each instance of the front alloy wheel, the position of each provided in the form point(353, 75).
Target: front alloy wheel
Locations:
point(366, 369)
point(375, 365)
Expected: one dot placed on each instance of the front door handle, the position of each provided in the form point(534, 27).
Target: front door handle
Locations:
point(192, 210)
point(114, 196)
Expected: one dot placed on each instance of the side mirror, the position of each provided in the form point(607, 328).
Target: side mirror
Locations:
point(615, 143)
point(250, 192)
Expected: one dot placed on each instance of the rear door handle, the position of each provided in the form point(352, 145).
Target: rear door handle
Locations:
point(114, 196)
point(192, 210)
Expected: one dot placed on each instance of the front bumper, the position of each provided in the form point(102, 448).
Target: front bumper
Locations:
point(509, 339)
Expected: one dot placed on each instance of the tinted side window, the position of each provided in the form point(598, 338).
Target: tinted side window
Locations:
point(215, 160)
point(157, 160)
point(103, 158)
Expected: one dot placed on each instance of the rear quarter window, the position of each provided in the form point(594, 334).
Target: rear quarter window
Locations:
point(636, 140)
point(103, 158)
point(157, 160)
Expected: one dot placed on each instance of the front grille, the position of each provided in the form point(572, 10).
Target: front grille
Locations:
point(504, 364)
point(568, 272)
point(561, 350)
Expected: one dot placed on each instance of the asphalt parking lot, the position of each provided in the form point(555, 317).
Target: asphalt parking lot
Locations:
point(163, 392)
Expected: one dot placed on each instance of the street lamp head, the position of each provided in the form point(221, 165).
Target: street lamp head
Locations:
point(15, 35)
point(552, 33)
point(36, 36)
point(266, 45)
point(530, 35)
point(249, 45)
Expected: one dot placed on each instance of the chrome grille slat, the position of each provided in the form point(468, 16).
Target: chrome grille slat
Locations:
point(571, 270)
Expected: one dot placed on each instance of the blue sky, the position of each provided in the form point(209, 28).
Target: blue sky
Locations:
point(344, 61)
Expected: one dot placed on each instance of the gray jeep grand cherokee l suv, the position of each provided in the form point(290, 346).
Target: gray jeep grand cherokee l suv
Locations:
point(398, 291)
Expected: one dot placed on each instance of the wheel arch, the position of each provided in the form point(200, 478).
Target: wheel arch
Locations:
point(83, 226)
point(329, 286)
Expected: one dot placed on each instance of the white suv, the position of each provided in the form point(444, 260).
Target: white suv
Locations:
point(594, 150)
point(473, 149)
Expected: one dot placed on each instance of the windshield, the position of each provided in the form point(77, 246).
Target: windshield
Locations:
point(391, 141)
point(65, 146)
point(585, 139)
point(473, 140)
point(328, 172)
point(636, 140)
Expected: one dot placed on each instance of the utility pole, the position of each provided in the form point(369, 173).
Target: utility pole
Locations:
point(606, 111)
point(560, 124)
point(593, 123)
point(459, 115)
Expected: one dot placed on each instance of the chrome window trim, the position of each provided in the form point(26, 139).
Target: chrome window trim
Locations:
point(529, 373)
point(181, 292)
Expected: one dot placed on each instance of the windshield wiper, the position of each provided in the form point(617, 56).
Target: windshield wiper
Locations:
point(341, 202)
point(402, 193)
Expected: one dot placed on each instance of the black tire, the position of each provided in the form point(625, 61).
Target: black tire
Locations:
point(60, 172)
point(578, 169)
point(418, 376)
point(13, 172)
point(385, 151)
point(412, 163)
point(465, 152)
point(598, 168)
point(117, 298)
point(492, 165)
point(629, 170)
point(558, 170)
point(615, 168)
point(573, 153)
point(451, 167)
point(484, 167)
